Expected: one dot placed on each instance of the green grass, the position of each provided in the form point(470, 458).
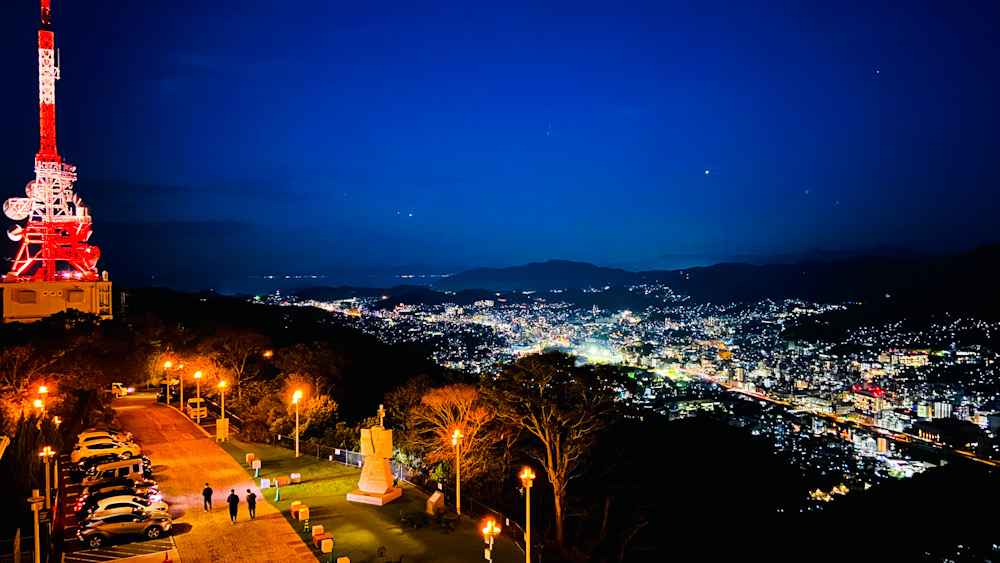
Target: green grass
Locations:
point(359, 529)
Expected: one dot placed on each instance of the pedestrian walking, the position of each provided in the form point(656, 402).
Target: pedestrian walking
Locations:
point(207, 495)
point(234, 503)
point(252, 503)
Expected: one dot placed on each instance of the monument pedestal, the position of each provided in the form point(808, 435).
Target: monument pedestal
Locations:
point(378, 499)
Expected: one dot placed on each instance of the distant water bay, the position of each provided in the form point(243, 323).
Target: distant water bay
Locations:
point(268, 284)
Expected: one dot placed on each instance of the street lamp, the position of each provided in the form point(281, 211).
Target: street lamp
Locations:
point(181, 372)
point(197, 380)
point(456, 440)
point(166, 366)
point(222, 425)
point(40, 406)
point(222, 386)
point(527, 479)
point(46, 456)
point(491, 531)
point(295, 401)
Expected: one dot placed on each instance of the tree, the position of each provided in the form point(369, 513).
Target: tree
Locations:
point(562, 406)
point(315, 363)
point(440, 412)
point(234, 350)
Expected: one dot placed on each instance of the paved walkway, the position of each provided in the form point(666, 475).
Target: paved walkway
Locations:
point(184, 458)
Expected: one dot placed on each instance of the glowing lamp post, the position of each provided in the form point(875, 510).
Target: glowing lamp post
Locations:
point(181, 372)
point(456, 440)
point(527, 479)
point(43, 392)
point(222, 389)
point(40, 406)
point(295, 401)
point(166, 366)
point(46, 456)
point(491, 531)
point(197, 380)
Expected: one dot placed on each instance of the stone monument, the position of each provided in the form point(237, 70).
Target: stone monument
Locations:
point(375, 486)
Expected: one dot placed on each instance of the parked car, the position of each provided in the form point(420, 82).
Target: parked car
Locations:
point(78, 470)
point(114, 504)
point(197, 408)
point(161, 395)
point(119, 484)
point(120, 390)
point(82, 451)
point(96, 532)
point(90, 465)
point(89, 436)
point(87, 505)
point(119, 434)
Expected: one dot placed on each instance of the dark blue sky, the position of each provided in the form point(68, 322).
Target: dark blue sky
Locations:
point(250, 137)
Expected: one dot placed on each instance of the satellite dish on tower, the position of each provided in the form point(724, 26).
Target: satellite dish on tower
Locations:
point(15, 233)
point(17, 208)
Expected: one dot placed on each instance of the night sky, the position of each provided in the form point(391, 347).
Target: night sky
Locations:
point(233, 138)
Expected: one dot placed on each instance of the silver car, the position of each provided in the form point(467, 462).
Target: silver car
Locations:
point(126, 503)
point(96, 532)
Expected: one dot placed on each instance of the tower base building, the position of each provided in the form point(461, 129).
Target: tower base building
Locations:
point(29, 302)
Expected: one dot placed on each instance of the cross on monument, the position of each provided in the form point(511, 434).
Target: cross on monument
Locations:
point(381, 415)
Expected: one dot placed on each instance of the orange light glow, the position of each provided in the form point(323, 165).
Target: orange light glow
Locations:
point(456, 437)
point(296, 397)
point(491, 529)
point(197, 375)
point(43, 389)
point(167, 364)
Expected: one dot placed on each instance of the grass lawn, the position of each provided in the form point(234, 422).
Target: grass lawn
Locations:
point(359, 529)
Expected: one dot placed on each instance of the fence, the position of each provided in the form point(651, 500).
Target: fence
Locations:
point(27, 549)
point(470, 506)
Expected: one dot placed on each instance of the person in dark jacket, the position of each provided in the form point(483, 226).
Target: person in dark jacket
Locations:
point(252, 503)
point(234, 503)
point(207, 495)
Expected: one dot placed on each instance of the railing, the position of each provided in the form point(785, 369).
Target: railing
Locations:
point(470, 506)
point(27, 550)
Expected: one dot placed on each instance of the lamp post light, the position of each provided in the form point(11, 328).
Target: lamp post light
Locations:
point(46, 456)
point(222, 387)
point(527, 479)
point(166, 366)
point(197, 380)
point(491, 531)
point(295, 401)
point(181, 372)
point(43, 392)
point(40, 406)
point(456, 440)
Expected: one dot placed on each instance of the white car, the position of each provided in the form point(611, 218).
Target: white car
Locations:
point(126, 503)
point(82, 451)
point(95, 438)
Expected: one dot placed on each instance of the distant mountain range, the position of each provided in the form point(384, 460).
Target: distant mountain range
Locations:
point(682, 261)
point(964, 281)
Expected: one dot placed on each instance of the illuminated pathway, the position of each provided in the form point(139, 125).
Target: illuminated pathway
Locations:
point(184, 459)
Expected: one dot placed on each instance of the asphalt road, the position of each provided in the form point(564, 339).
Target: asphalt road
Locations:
point(184, 459)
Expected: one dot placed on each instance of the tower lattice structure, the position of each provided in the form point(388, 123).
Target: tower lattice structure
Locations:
point(58, 222)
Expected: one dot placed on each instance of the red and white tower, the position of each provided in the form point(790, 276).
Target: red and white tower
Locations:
point(54, 246)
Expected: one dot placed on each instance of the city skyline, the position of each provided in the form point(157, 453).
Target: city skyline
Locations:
point(340, 137)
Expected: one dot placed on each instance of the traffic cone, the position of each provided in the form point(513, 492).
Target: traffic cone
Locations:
point(166, 557)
